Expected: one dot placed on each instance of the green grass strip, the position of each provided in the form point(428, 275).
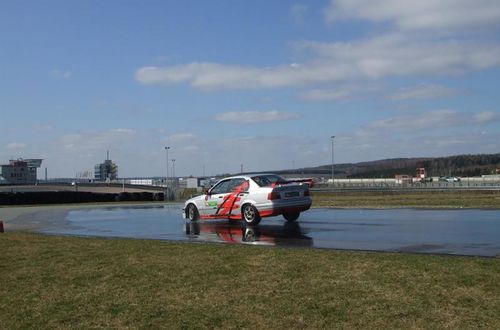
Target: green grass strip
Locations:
point(401, 199)
point(50, 282)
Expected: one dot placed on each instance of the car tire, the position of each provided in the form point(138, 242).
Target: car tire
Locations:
point(291, 217)
point(192, 212)
point(249, 235)
point(250, 215)
point(192, 228)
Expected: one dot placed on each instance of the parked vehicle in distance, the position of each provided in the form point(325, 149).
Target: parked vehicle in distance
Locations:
point(250, 198)
point(449, 179)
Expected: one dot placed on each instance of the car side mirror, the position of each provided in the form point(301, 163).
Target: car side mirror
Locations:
point(207, 191)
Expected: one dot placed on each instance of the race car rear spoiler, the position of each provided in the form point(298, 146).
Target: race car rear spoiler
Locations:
point(310, 182)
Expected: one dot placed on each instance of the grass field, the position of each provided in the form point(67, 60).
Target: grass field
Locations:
point(62, 282)
point(401, 199)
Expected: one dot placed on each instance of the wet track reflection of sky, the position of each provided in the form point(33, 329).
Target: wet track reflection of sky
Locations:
point(463, 232)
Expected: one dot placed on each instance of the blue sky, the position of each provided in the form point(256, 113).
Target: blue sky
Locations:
point(262, 83)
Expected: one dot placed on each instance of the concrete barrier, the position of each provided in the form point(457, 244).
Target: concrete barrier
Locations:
point(62, 197)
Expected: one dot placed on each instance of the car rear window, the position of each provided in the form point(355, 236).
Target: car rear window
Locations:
point(268, 180)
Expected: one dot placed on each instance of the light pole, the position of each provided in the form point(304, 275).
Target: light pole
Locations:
point(173, 171)
point(166, 179)
point(333, 162)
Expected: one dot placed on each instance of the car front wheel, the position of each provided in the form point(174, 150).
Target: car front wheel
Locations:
point(291, 217)
point(192, 212)
point(250, 214)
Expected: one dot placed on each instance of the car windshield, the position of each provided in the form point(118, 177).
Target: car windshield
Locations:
point(268, 180)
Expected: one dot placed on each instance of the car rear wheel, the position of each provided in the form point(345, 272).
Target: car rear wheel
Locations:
point(250, 214)
point(291, 217)
point(249, 235)
point(192, 212)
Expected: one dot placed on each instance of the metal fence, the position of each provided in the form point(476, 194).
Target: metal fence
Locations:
point(380, 184)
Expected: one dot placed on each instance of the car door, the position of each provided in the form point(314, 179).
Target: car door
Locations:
point(223, 198)
point(215, 197)
point(232, 203)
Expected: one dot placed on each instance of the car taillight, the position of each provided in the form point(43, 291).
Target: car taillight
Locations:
point(273, 195)
point(307, 193)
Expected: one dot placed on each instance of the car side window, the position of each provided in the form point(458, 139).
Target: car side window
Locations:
point(238, 185)
point(221, 188)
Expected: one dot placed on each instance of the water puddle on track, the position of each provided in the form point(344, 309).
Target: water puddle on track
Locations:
point(456, 232)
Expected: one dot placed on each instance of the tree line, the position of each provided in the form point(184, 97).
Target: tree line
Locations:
point(460, 165)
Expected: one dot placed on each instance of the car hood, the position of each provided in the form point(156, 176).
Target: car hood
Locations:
point(194, 199)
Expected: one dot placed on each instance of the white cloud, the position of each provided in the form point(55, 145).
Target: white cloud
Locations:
point(15, 146)
point(213, 75)
point(402, 51)
point(61, 74)
point(422, 92)
point(181, 138)
point(414, 122)
point(255, 116)
point(486, 117)
point(326, 95)
point(43, 128)
point(121, 130)
point(297, 13)
point(435, 15)
point(278, 154)
point(392, 54)
point(428, 121)
point(89, 141)
point(388, 55)
point(395, 54)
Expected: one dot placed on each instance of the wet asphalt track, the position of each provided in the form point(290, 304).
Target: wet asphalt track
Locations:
point(456, 232)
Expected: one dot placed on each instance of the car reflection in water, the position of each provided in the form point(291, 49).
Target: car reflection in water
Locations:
point(287, 234)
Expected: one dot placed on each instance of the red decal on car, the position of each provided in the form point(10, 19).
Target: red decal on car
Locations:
point(228, 204)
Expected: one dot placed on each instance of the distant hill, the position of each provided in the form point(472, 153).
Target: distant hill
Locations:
point(461, 165)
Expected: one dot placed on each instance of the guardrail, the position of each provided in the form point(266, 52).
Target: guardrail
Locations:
point(428, 186)
point(103, 184)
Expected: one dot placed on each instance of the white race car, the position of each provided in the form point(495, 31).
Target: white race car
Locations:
point(250, 197)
